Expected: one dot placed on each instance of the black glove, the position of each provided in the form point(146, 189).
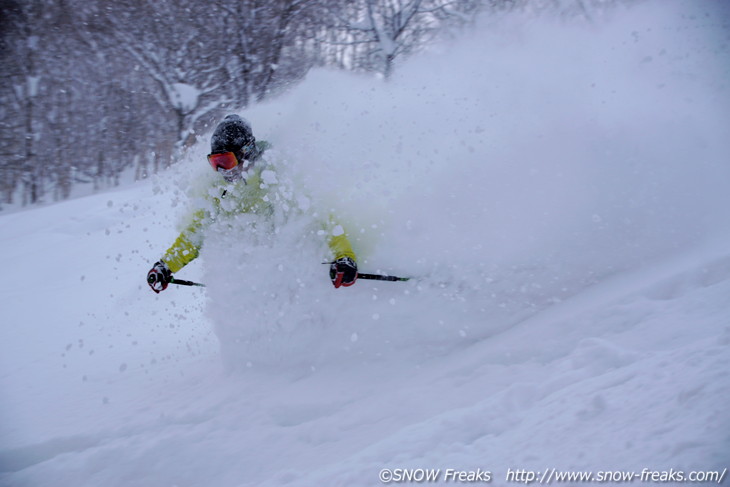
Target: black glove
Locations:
point(343, 272)
point(159, 277)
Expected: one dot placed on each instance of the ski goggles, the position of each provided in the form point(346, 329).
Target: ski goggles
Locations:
point(223, 160)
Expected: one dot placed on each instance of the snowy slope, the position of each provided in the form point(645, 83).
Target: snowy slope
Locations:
point(559, 192)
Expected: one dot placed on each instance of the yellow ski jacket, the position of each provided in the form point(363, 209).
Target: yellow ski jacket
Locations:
point(250, 195)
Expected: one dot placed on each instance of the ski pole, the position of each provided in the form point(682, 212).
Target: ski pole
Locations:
point(181, 282)
point(378, 277)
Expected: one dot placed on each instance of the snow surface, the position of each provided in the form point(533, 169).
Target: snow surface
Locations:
point(560, 193)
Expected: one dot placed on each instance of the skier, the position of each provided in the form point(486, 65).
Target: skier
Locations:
point(242, 188)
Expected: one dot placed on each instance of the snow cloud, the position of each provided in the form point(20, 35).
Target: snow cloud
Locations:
point(526, 137)
point(531, 157)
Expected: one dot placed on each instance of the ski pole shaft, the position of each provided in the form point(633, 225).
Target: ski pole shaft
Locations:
point(378, 277)
point(181, 282)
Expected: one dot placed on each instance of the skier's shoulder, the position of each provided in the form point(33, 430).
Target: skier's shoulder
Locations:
point(262, 146)
point(259, 147)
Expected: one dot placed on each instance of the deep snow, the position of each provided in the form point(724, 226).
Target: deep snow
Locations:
point(557, 190)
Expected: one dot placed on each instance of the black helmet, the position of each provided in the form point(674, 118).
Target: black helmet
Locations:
point(234, 134)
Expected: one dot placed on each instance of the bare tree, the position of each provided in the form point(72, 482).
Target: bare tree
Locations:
point(587, 10)
point(176, 49)
point(257, 36)
point(22, 21)
point(385, 29)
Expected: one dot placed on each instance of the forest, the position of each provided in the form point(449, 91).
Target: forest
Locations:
point(96, 89)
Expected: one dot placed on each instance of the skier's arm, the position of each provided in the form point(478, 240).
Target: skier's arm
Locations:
point(343, 271)
point(338, 242)
point(341, 247)
point(186, 247)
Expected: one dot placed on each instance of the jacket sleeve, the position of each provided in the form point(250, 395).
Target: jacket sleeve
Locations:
point(187, 245)
point(339, 243)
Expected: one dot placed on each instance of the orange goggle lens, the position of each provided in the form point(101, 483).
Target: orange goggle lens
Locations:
point(223, 160)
